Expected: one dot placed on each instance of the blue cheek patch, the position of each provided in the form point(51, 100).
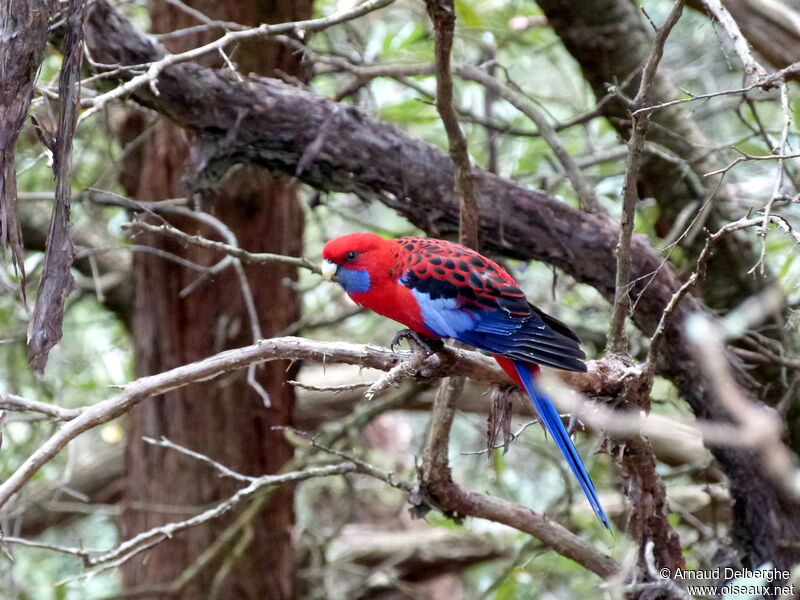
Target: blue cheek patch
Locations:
point(353, 280)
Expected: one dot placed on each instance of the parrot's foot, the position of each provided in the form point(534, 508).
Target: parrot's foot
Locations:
point(431, 346)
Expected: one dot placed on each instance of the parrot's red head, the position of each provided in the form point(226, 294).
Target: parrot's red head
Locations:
point(354, 260)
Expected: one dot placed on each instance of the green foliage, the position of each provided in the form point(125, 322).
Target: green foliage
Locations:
point(36, 570)
point(468, 14)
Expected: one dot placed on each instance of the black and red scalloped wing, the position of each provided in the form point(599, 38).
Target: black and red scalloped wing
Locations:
point(465, 296)
point(444, 269)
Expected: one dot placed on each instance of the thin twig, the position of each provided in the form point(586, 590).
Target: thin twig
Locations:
point(402, 71)
point(80, 552)
point(223, 470)
point(759, 426)
point(617, 340)
point(779, 176)
point(586, 195)
point(243, 255)
point(19, 404)
point(699, 273)
point(437, 487)
point(745, 157)
point(443, 16)
point(363, 467)
point(170, 529)
point(244, 284)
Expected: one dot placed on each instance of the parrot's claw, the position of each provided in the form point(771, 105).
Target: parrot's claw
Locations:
point(431, 346)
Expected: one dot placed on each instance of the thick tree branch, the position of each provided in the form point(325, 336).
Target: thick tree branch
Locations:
point(451, 361)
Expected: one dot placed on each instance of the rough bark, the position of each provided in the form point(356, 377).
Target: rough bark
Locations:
point(24, 27)
point(226, 419)
point(268, 123)
point(56, 283)
point(645, 521)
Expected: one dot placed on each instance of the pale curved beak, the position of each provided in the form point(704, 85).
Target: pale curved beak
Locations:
point(329, 270)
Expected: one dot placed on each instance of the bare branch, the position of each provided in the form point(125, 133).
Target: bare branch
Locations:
point(443, 16)
point(748, 157)
point(243, 255)
point(24, 24)
point(783, 75)
point(363, 467)
point(760, 426)
point(617, 341)
point(223, 470)
point(699, 273)
point(19, 404)
point(451, 361)
point(438, 488)
point(752, 67)
point(586, 196)
point(144, 540)
point(80, 552)
point(57, 282)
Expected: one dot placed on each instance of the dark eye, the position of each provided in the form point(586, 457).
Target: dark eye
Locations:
point(351, 255)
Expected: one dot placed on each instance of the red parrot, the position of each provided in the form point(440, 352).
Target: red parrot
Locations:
point(440, 289)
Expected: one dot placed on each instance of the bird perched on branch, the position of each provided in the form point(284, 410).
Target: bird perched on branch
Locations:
point(440, 289)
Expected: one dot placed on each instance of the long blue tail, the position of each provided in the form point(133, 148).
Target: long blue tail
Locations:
point(549, 416)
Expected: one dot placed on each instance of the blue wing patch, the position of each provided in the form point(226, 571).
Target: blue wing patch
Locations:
point(450, 310)
point(443, 316)
point(446, 317)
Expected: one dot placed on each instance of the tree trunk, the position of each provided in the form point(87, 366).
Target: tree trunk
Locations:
point(224, 419)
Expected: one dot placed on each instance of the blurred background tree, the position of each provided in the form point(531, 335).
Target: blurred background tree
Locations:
point(171, 327)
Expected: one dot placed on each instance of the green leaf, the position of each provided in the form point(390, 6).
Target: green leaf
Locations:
point(410, 111)
point(468, 16)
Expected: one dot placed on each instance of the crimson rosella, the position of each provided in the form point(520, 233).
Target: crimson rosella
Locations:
point(440, 289)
